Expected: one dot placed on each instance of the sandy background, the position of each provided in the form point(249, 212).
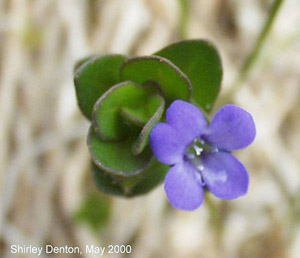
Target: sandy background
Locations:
point(44, 161)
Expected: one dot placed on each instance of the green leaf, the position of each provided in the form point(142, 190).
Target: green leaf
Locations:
point(94, 77)
point(132, 186)
point(107, 119)
point(117, 157)
point(136, 117)
point(142, 114)
point(151, 178)
point(95, 211)
point(107, 183)
point(158, 71)
point(142, 140)
point(200, 61)
point(82, 61)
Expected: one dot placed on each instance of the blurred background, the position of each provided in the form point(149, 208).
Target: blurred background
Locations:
point(47, 195)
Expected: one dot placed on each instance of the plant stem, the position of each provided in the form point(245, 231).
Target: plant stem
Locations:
point(183, 19)
point(252, 58)
point(216, 219)
point(246, 68)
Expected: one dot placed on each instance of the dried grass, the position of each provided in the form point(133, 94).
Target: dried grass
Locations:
point(44, 162)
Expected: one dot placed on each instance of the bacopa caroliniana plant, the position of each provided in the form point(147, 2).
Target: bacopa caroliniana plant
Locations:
point(125, 97)
point(200, 153)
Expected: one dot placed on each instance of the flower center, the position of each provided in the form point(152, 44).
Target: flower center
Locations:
point(197, 147)
point(194, 151)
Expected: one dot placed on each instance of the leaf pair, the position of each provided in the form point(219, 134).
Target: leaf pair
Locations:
point(126, 97)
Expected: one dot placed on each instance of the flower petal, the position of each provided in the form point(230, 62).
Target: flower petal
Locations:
point(224, 175)
point(183, 188)
point(166, 144)
point(232, 128)
point(187, 119)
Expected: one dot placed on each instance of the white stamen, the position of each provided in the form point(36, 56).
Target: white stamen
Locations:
point(198, 150)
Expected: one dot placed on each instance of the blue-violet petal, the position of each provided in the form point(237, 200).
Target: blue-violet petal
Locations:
point(166, 144)
point(224, 175)
point(232, 128)
point(183, 189)
point(187, 119)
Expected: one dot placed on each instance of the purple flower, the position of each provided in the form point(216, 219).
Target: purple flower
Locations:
point(200, 153)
